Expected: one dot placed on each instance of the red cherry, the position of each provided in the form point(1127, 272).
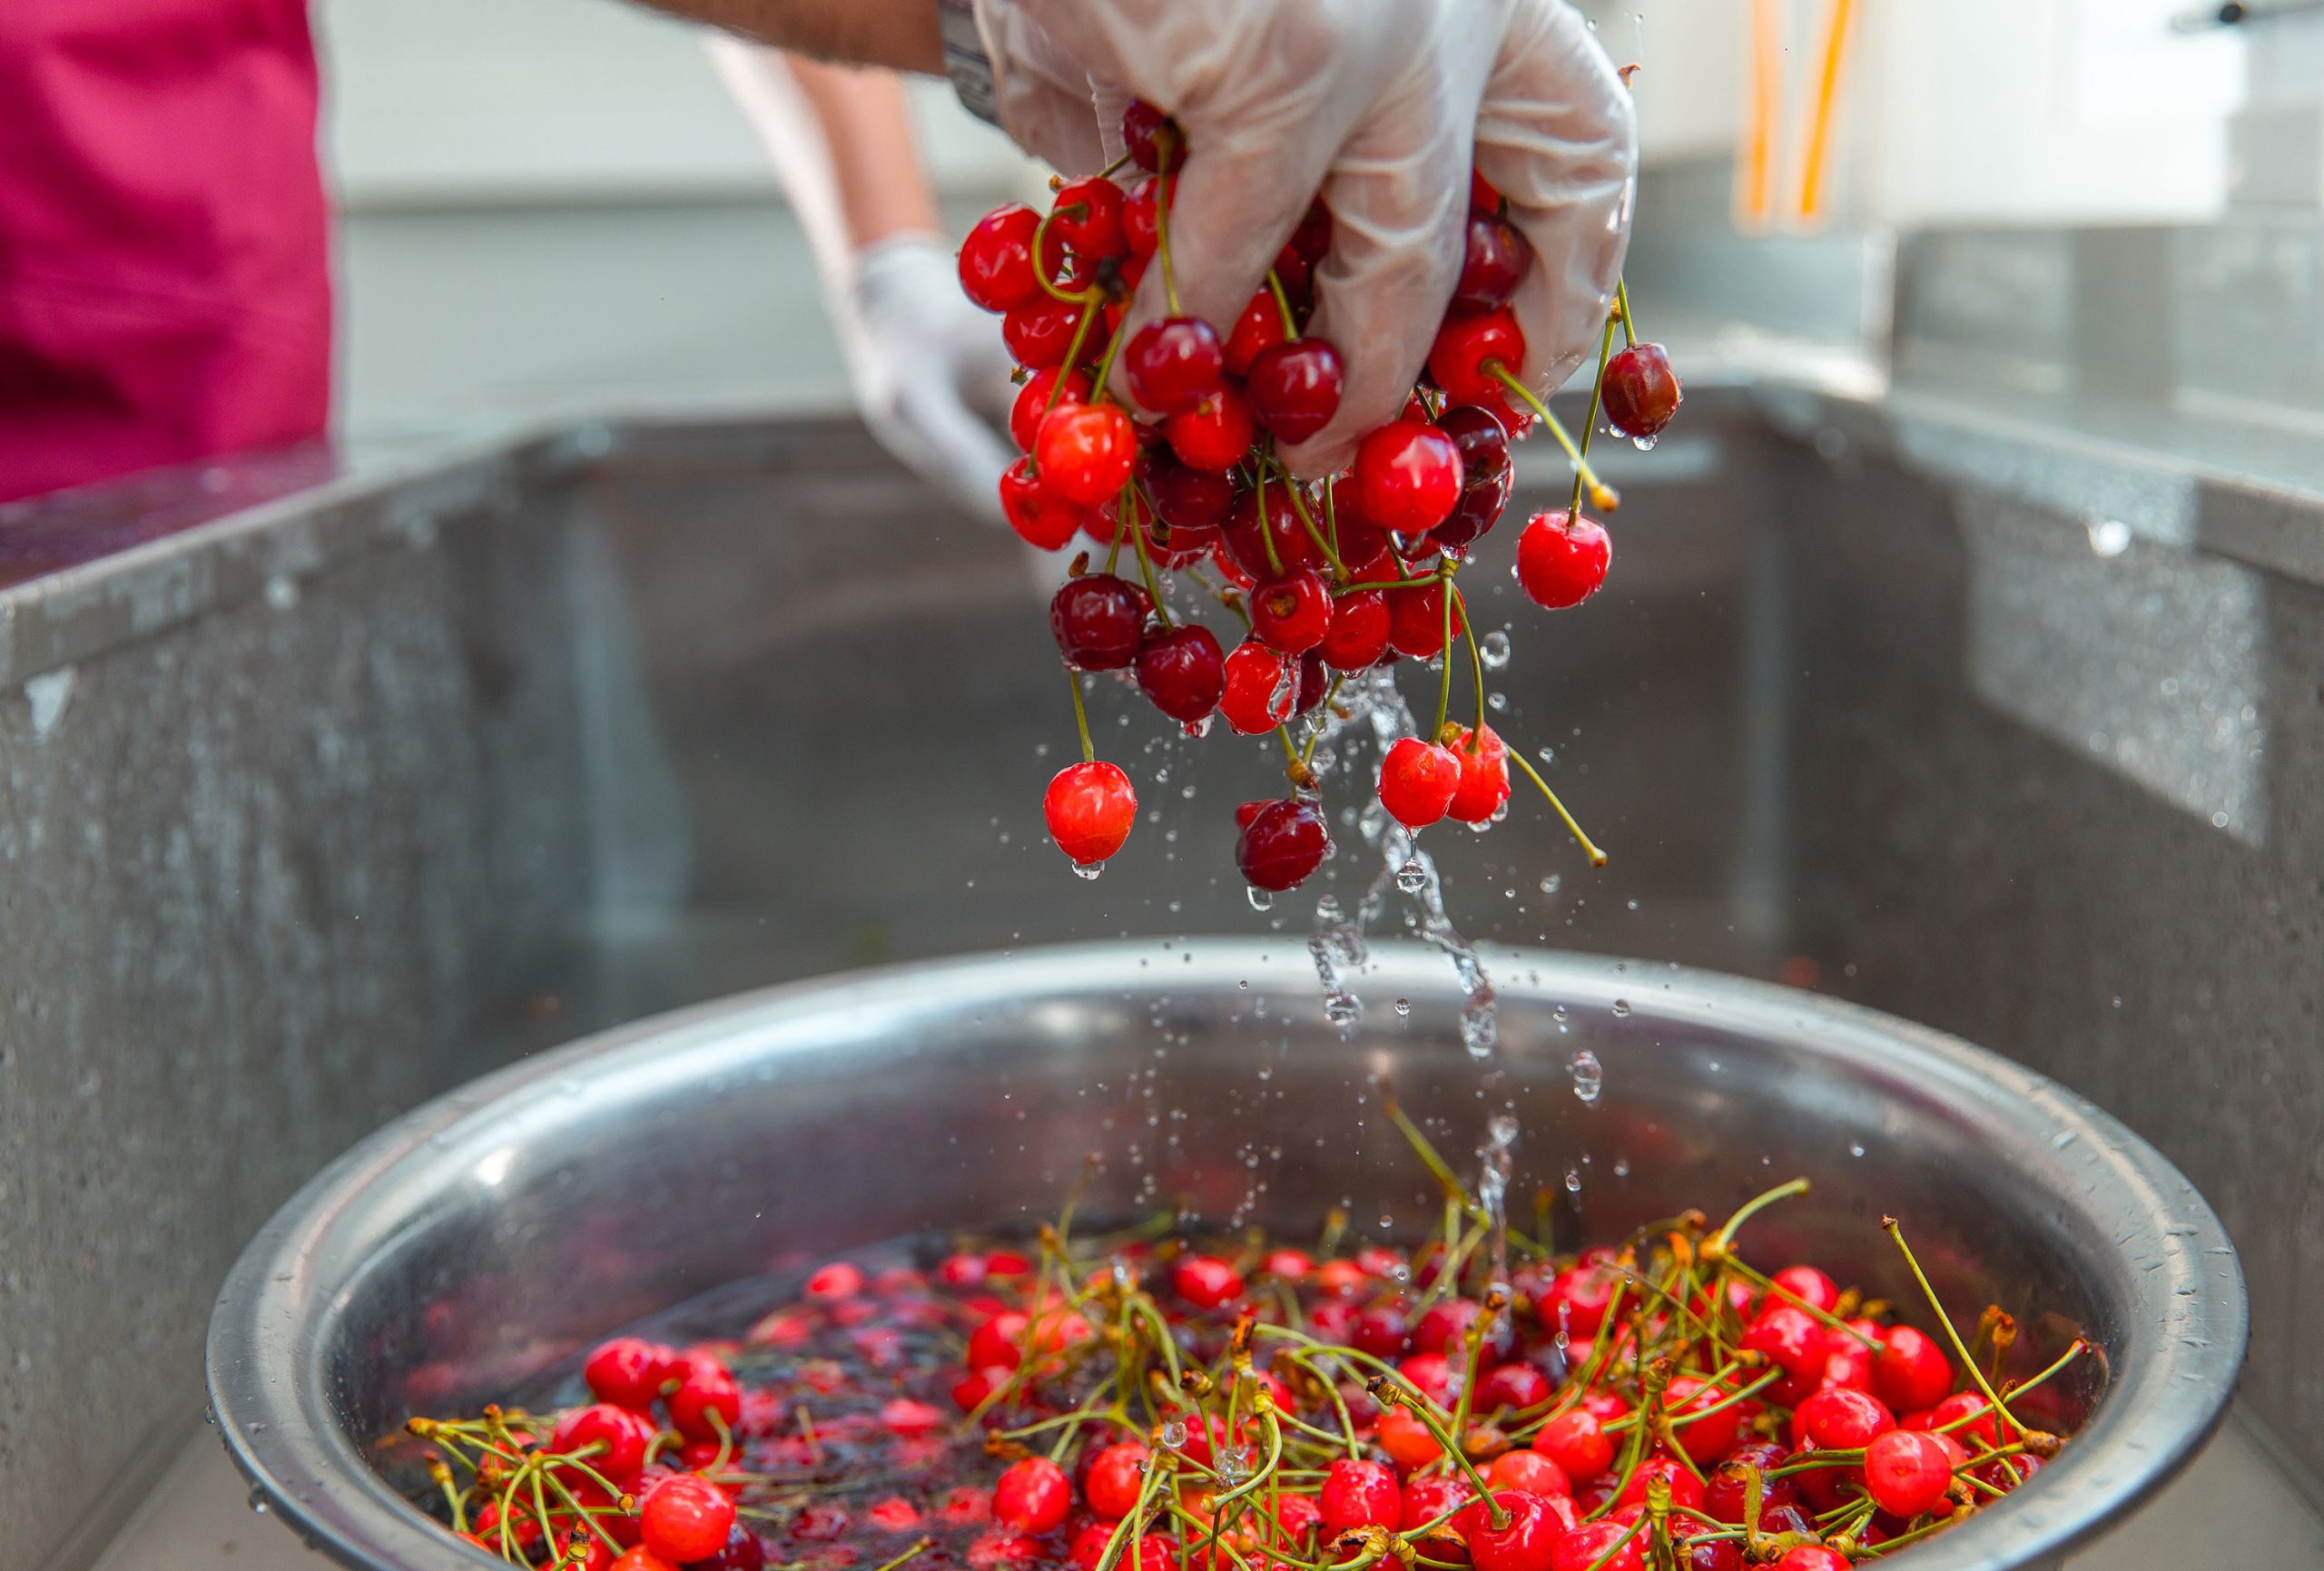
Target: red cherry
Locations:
point(1839, 1420)
point(1116, 1476)
point(1561, 562)
point(684, 1518)
point(1041, 517)
point(1206, 1281)
point(1359, 1494)
point(1172, 362)
point(624, 1434)
point(1139, 212)
point(1482, 441)
point(1639, 392)
point(1428, 1497)
point(1905, 1473)
point(1417, 779)
point(1088, 217)
point(1358, 635)
point(703, 1389)
point(628, 1371)
point(1312, 238)
point(1260, 691)
point(970, 1392)
point(1184, 499)
point(1091, 807)
point(1149, 136)
point(1909, 1372)
point(1407, 476)
point(1285, 841)
point(1032, 402)
point(1258, 328)
point(1527, 1472)
point(1215, 433)
point(1086, 451)
point(1468, 349)
point(1513, 1385)
point(1041, 331)
point(1474, 515)
point(1296, 388)
point(1032, 1496)
point(1099, 621)
point(1577, 1443)
point(1493, 266)
point(1484, 783)
point(1809, 1286)
point(1591, 1547)
point(1293, 547)
point(1416, 621)
point(1812, 1557)
point(997, 259)
point(1526, 1539)
point(1292, 611)
point(1483, 195)
point(1707, 1438)
point(1183, 672)
point(1786, 1333)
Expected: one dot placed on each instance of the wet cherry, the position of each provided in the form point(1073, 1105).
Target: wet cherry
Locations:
point(1091, 807)
point(1482, 441)
point(1139, 217)
point(1033, 1496)
point(1527, 1472)
point(1291, 612)
point(1186, 499)
point(1599, 1547)
point(1640, 391)
point(1117, 1475)
point(1261, 688)
point(1183, 672)
point(705, 1389)
point(1836, 1418)
point(1099, 621)
point(1417, 779)
point(1358, 635)
point(1493, 265)
point(1905, 1472)
point(622, 1432)
point(1087, 218)
point(1359, 1494)
point(1284, 842)
point(1474, 515)
point(1560, 563)
point(1086, 452)
point(1416, 621)
point(1407, 476)
point(1286, 545)
point(684, 1518)
point(1484, 781)
point(1171, 364)
point(1295, 388)
point(1039, 516)
point(1577, 1443)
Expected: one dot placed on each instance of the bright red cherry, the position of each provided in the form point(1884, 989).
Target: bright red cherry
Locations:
point(1091, 807)
point(628, 1371)
point(1910, 1371)
point(1468, 352)
point(1786, 1333)
point(1577, 1443)
point(1041, 331)
point(1527, 1472)
point(1261, 688)
point(1493, 266)
point(1032, 1496)
point(1511, 1385)
point(1140, 217)
point(1358, 635)
point(1039, 516)
point(1292, 611)
point(1032, 403)
point(1639, 392)
point(704, 1388)
point(1116, 1476)
point(1531, 1527)
point(1812, 1557)
point(1561, 561)
point(1591, 1547)
point(1087, 218)
point(1284, 842)
point(997, 259)
point(622, 1432)
point(1151, 136)
point(1183, 672)
point(1206, 1281)
point(1215, 433)
point(1483, 195)
point(1172, 363)
point(1086, 451)
point(1809, 1286)
point(1836, 1418)
point(1292, 546)
point(684, 1517)
point(1484, 783)
point(1296, 388)
point(1407, 476)
point(1359, 1494)
point(1703, 1434)
point(1259, 327)
point(1416, 621)
point(1099, 621)
point(1905, 1472)
point(1417, 779)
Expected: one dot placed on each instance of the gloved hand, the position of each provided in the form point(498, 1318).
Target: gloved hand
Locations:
point(1379, 104)
point(922, 362)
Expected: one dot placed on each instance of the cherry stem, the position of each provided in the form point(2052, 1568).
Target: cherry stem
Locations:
point(1126, 509)
point(1420, 582)
point(1267, 535)
point(1308, 521)
point(1162, 234)
point(1597, 857)
point(1590, 426)
point(1750, 1208)
point(1114, 168)
point(1283, 304)
point(1444, 686)
point(906, 1556)
point(1895, 1231)
point(1622, 302)
point(1476, 667)
point(1616, 1546)
point(1080, 715)
point(1604, 498)
point(1041, 274)
point(1072, 359)
point(1393, 1393)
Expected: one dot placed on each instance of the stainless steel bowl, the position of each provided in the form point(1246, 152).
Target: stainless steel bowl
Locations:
point(494, 1232)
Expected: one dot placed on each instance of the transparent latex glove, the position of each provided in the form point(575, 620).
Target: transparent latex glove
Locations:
point(925, 367)
point(1378, 104)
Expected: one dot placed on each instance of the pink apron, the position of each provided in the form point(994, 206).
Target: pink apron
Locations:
point(164, 287)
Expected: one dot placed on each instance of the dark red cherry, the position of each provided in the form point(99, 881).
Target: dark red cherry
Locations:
point(1492, 267)
point(1293, 546)
point(1172, 363)
point(1183, 672)
point(1640, 391)
point(1099, 621)
point(1474, 515)
point(1282, 844)
point(1184, 499)
point(1295, 388)
point(1151, 136)
point(1482, 441)
point(1358, 635)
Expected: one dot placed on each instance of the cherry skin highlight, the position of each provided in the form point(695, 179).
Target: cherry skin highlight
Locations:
point(997, 259)
point(1261, 688)
point(684, 1518)
point(1091, 807)
point(1493, 265)
point(1086, 452)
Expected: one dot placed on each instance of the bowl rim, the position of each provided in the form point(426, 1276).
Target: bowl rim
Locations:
point(2189, 1321)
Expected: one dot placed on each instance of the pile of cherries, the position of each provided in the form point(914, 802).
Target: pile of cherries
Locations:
point(1146, 1401)
point(1324, 579)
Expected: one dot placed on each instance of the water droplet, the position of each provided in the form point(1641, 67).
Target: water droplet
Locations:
point(1344, 1009)
point(1553, 884)
point(258, 1500)
point(1574, 1180)
point(1480, 1029)
point(1088, 871)
point(1494, 650)
point(1261, 899)
point(1403, 1005)
point(1643, 444)
point(1412, 877)
point(1855, 1148)
point(1621, 1008)
point(1622, 1167)
point(1173, 1433)
point(1589, 1075)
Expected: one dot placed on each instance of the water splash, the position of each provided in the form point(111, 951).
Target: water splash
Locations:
point(1589, 1075)
point(1494, 1158)
point(1089, 870)
point(1337, 946)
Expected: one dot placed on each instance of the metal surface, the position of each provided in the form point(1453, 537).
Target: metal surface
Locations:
point(502, 1228)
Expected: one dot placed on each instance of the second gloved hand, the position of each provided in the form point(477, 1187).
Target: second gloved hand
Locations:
point(1382, 106)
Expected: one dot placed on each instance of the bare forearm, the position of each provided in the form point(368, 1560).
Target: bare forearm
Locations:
point(898, 33)
point(867, 125)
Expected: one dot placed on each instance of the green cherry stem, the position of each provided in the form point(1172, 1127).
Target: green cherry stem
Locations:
point(1895, 1231)
point(1308, 521)
point(1604, 498)
point(1588, 426)
point(1629, 318)
point(1444, 686)
point(1162, 189)
point(1126, 519)
point(1597, 857)
point(1283, 304)
point(1080, 715)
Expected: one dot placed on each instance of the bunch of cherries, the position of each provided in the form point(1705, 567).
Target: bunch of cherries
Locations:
point(1157, 1403)
point(1325, 580)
